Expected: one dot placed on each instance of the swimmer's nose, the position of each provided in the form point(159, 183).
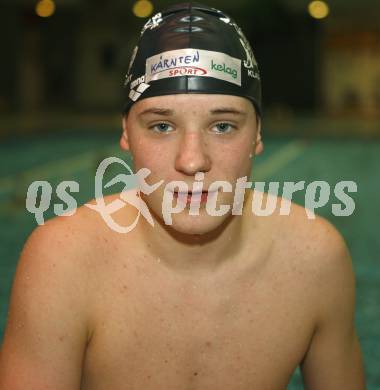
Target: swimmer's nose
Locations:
point(192, 156)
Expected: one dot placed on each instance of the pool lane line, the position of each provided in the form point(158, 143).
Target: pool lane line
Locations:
point(51, 170)
point(290, 152)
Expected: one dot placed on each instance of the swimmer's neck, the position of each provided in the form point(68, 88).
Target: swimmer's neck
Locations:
point(208, 251)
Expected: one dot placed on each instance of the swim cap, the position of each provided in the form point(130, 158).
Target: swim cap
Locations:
point(192, 48)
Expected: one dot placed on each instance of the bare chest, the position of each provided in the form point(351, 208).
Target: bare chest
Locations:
point(151, 333)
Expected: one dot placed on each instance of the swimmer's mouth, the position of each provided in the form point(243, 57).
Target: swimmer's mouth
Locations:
point(190, 192)
point(196, 196)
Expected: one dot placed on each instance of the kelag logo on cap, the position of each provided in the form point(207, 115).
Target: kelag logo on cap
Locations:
point(223, 68)
point(193, 62)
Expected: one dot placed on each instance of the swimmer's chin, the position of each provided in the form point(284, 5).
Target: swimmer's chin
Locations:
point(197, 225)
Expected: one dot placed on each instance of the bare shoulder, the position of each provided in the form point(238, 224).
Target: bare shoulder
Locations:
point(318, 250)
point(64, 238)
point(74, 234)
point(49, 319)
point(54, 260)
point(324, 270)
point(311, 245)
point(292, 224)
point(317, 237)
point(58, 257)
point(74, 243)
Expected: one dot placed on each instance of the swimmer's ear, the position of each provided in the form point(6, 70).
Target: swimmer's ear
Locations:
point(124, 143)
point(259, 146)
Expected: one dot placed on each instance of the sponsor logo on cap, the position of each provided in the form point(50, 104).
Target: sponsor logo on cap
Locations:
point(173, 59)
point(137, 82)
point(180, 71)
point(187, 71)
point(193, 62)
point(224, 68)
point(141, 88)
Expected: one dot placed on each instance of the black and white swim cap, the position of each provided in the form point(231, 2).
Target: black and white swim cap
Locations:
point(192, 48)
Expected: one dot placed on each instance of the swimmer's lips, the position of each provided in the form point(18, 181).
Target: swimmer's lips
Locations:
point(198, 197)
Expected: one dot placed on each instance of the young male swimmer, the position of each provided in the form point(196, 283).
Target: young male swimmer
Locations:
point(209, 302)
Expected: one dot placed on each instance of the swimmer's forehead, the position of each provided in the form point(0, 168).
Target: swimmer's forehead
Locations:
point(211, 104)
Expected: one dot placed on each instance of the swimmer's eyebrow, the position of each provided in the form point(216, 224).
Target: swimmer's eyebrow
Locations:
point(157, 111)
point(227, 110)
point(216, 111)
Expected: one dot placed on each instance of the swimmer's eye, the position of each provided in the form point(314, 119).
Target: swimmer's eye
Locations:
point(224, 127)
point(161, 127)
